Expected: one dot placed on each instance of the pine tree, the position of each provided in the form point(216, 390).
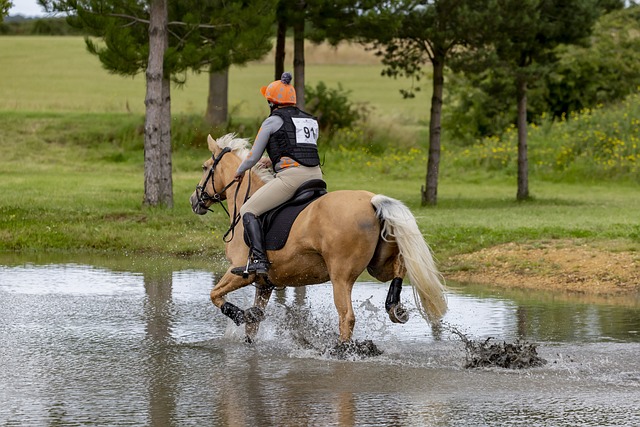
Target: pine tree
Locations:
point(411, 34)
point(5, 6)
point(164, 40)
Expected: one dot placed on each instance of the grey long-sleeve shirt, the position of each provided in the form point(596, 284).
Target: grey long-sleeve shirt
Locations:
point(268, 127)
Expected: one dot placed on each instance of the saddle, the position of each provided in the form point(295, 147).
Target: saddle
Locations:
point(276, 223)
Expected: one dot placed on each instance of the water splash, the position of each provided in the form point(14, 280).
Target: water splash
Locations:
point(482, 354)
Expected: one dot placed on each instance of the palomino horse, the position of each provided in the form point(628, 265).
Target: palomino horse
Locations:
point(335, 239)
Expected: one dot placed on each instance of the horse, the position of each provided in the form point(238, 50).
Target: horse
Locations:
point(334, 239)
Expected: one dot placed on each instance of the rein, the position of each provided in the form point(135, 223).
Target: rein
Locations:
point(204, 197)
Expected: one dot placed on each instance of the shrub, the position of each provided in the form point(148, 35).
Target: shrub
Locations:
point(332, 107)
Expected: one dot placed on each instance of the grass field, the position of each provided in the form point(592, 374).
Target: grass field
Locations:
point(71, 170)
point(58, 74)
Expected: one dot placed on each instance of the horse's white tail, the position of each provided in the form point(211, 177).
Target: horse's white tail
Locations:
point(399, 225)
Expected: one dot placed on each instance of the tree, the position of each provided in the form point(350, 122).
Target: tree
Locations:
point(139, 36)
point(281, 38)
point(122, 25)
point(291, 14)
point(606, 71)
point(583, 76)
point(158, 184)
point(236, 32)
point(523, 39)
point(428, 32)
point(298, 52)
point(318, 21)
point(5, 6)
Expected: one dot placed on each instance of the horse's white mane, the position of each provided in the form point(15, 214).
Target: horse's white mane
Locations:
point(240, 147)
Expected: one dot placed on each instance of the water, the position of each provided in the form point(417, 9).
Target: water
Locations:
point(130, 342)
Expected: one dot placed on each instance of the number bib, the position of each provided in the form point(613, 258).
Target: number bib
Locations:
point(306, 130)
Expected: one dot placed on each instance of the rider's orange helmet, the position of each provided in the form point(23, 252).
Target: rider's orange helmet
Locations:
point(280, 92)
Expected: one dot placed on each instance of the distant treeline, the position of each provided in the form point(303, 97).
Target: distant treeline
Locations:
point(19, 25)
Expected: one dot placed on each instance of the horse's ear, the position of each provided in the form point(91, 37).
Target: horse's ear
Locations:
point(212, 144)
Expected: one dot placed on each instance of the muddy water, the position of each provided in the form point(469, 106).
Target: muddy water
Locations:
point(128, 343)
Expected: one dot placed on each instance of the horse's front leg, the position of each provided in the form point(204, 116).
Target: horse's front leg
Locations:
point(254, 315)
point(229, 283)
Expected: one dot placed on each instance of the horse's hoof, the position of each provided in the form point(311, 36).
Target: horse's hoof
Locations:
point(357, 349)
point(253, 315)
point(398, 314)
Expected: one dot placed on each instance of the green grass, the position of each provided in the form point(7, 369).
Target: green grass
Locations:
point(57, 74)
point(71, 169)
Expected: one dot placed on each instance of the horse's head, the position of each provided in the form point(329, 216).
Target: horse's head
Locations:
point(213, 184)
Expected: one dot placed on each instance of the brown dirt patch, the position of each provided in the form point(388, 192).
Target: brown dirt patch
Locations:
point(559, 265)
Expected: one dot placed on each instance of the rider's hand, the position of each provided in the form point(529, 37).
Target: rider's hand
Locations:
point(238, 177)
point(264, 163)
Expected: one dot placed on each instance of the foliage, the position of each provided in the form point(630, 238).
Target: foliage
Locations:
point(595, 145)
point(203, 35)
point(332, 107)
point(5, 5)
point(476, 105)
point(606, 70)
point(427, 32)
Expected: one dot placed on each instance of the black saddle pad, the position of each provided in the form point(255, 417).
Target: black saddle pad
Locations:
point(277, 222)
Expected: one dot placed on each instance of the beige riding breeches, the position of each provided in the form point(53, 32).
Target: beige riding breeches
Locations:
point(280, 189)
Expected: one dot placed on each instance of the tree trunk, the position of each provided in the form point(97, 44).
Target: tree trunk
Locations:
point(280, 45)
point(523, 162)
point(430, 194)
point(298, 61)
point(217, 102)
point(166, 178)
point(157, 134)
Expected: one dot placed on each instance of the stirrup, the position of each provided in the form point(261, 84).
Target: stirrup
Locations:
point(260, 268)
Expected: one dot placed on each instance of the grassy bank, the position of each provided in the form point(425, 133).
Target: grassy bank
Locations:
point(74, 182)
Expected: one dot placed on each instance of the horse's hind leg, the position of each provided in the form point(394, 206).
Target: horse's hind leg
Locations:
point(342, 300)
point(386, 264)
point(254, 315)
point(396, 311)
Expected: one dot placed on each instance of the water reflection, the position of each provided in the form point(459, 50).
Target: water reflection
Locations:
point(566, 318)
point(163, 376)
point(139, 343)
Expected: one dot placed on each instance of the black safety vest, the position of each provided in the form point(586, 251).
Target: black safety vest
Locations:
point(297, 138)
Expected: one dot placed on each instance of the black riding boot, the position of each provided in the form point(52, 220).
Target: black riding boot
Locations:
point(259, 264)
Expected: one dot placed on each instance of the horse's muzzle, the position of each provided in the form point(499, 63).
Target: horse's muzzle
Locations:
point(196, 206)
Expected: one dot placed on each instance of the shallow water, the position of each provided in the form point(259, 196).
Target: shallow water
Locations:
point(123, 343)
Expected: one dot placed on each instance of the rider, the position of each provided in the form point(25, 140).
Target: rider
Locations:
point(290, 137)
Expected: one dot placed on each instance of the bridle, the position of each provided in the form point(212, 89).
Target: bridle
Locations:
point(201, 190)
point(217, 197)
